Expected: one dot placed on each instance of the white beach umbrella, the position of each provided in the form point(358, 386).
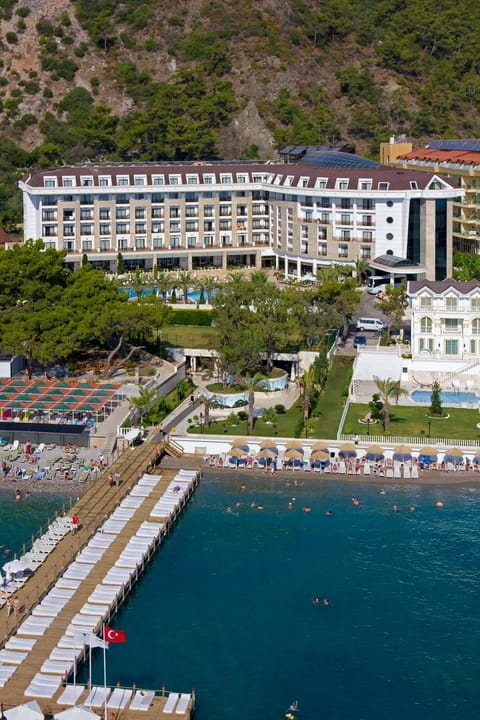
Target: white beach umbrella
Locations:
point(28, 711)
point(78, 712)
point(16, 567)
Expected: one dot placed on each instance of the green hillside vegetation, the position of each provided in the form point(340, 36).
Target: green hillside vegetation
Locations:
point(145, 79)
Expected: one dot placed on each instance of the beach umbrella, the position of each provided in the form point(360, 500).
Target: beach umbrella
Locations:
point(347, 449)
point(17, 567)
point(320, 446)
point(238, 442)
point(319, 455)
point(374, 452)
point(27, 711)
point(294, 453)
point(267, 444)
point(77, 712)
point(453, 455)
point(293, 445)
point(237, 452)
point(268, 453)
point(402, 453)
point(428, 454)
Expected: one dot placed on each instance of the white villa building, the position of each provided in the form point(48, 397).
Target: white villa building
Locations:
point(291, 217)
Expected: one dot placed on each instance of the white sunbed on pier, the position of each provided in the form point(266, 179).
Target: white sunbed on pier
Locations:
point(119, 698)
point(65, 583)
point(43, 686)
point(34, 626)
point(12, 657)
point(117, 575)
point(77, 571)
point(183, 703)
point(142, 700)
point(71, 642)
point(88, 621)
point(122, 513)
point(104, 595)
point(141, 491)
point(132, 502)
point(65, 654)
point(57, 592)
point(71, 694)
point(57, 667)
point(6, 672)
point(101, 541)
point(92, 609)
point(90, 556)
point(172, 700)
point(16, 643)
point(97, 697)
point(112, 527)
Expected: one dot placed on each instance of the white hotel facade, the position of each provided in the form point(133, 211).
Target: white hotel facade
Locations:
point(295, 218)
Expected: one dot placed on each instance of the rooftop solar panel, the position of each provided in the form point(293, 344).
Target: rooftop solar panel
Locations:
point(337, 159)
point(470, 145)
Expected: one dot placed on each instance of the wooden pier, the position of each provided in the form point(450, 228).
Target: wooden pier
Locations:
point(92, 509)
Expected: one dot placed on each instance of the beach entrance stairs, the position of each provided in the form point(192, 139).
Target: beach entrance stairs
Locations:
point(172, 448)
point(109, 446)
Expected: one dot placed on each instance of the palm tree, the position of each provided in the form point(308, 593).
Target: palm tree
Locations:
point(209, 285)
point(308, 378)
point(388, 389)
point(251, 383)
point(361, 269)
point(186, 281)
point(164, 282)
point(145, 401)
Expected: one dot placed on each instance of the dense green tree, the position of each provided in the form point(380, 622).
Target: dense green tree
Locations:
point(393, 304)
point(388, 389)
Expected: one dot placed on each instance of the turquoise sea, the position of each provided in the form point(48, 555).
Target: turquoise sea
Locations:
point(226, 606)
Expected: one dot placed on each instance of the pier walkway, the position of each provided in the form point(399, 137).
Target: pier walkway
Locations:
point(93, 509)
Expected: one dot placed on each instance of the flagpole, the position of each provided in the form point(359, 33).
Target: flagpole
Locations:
point(104, 670)
point(89, 667)
point(74, 678)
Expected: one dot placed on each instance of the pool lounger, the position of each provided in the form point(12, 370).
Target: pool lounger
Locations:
point(142, 700)
point(182, 706)
point(141, 492)
point(101, 541)
point(88, 621)
point(65, 654)
point(12, 657)
point(20, 643)
point(91, 609)
point(90, 556)
point(64, 583)
point(71, 694)
point(134, 502)
point(122, 514)
point(97, 697)
point(172, 700)
point(6, 672)
point(77, 571)
point(57, 667)
point(43, 686)
point(31, 626)
point(56, 592)
point(71, 642)
point(113, 528)
point(104, 595)
point(119, 698)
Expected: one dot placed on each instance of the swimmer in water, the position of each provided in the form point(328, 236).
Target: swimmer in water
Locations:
point(260, 507)
point(316, 601)
point(229, 510)
point(307, 509)
point(439, 504)
point(329, 513)
point(253, 504)
point(382, 492)
point(243, 488)
point(412, 508)
point(290, 506)
point(326, 602)
point(395, 508)
point(238, 504)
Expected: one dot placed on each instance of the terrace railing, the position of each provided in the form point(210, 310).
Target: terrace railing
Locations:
point(418, 440)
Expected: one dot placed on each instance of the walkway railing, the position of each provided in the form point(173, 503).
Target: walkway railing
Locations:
point(407, 440)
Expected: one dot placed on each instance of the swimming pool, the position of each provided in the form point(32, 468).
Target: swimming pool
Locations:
point(447, 398)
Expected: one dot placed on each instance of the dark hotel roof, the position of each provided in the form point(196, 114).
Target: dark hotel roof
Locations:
point(441, 286)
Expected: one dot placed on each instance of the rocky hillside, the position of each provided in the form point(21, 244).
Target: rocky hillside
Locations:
point(86, 79)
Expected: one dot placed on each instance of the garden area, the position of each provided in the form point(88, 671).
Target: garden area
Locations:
point(276, 422)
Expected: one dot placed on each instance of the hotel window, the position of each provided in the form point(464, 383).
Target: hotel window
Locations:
point(346, 234)
point(224, 179)
point(321, 183)
point(175, 226)
point(122, 244)
point(191, 225)
point(473, 347)
point(258, 178)
point(323, 202)
point(426, 325)
point(346, 204)
point(345, 219)
point(104, 213)
point(86, 229)
point(191, 211)
point(140, 213)
point(367, 236)
point(242, 178)
point(383, 185)
point(451, 325)
point(140, 180)
point(68, 230)
point(192, 179)
point(425, 344)
point(122, 180)
point(475, 304)
point(451, 347)
point(104, 228)
point(139, 243)
point(104, 180)
point(87, 245)
point(49, 230)
point(209, 179)
point(157, 212)
point(122, 213)
point(49, 182)
point(364, 184)
point(158, 227)
point(49, 214)
point(86, 214)
point(68, 181)
point(476, 326)
point(69, 245)
point(175, 241)
point(451, 304)
point(157, 242)
point(158, 179)
point(225, 224)
point(366, 205)
point(191, 241)
point(322, 249)
point(325, 218)
point(426, 303)
point(322, 233)
point(225, 240)
point(175, 211)
point(208, 240)
point(105, 243)
point(366, 253)
point(122, 228)
point(174, 179)
point(343, 251)
point(341, 184)
point(413, 185)
point(68, 214)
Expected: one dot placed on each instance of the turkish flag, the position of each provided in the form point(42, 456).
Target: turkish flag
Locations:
point(114, 636)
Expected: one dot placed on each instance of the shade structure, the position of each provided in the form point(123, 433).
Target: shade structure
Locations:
point(293, 445)
point(238, 442)
point(374, 452)
point(454, 452)
point(347, 447)
point(27, 711)
point(402, 453)
point(453, 455)
point(319, 455)
point(320, 446)
point(268, 443)
point(294, 453)
point(429, 450)
point(268, 453)
point(237, 452)
point(78, 712)
point(17, 567)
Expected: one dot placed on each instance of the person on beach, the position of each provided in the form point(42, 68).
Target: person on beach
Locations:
point(75, 524)
point(9, 607)
point(111, 480)
point(18, 495)
point(16, 606)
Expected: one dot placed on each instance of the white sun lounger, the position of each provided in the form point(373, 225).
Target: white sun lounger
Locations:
point(71, 694)
point(116, 575)
point(90, 556)
point(65, 654)
point(182, 706)
point(77, 571)
point(12, 657)
point(119, 698)
point(415, 471)
point(31, 627)
point(16, 643)
point(112, 527)
point(132, 502)
point(104, 595)
point(6, 672)
point(141, 491)
point(97, 697)
point(88, 621)
point(56, 592)
point(172, 700)
point(142, 700)
point(43, 686)
point(64, 583)
point(122, 514)
point(57, 667)
point(91, 609)
point(101, 541)
point(47, 610)
point(72, 642)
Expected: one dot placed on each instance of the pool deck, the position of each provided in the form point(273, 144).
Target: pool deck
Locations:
point(92, 509)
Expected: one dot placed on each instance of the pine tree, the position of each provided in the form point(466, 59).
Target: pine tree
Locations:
point(435, 400)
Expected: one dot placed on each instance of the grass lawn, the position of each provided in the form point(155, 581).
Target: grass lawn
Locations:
point(288, 424)
point(330, 404)
point(413, 422)
point(189, 336)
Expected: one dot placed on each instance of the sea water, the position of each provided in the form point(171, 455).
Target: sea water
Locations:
point(226, 605)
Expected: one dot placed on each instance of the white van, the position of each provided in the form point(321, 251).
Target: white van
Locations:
point(370, 324)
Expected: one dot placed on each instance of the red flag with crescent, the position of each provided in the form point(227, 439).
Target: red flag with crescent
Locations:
point(114, 636)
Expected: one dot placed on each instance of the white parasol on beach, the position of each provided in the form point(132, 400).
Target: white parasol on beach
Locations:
point(17, 567)
point(78, 712)
point(28, 711)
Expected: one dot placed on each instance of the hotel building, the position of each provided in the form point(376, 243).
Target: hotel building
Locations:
point(294, 218)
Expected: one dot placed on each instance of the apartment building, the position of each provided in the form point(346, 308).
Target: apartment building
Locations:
point(222, 215)
point(457, 161)
point(445, 320)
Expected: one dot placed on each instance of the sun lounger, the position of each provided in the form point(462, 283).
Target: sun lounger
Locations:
point(116, 575)
point(71, 642)
point(104, 595)
point(366, 469)
point(16, 643)
point(132, 502)
point(183, 703)
point(6, 672)
point(415, 471)
point(90, 556)
point(90, 609)
point(119, 698)
point(101, 541)
point(32, 627)
point(12, 657)
point(56, 592)
point(71, 694)
point(87, 621)
point(142, 700)
point(97, 697)
point(77, 571)
point(64, 583)
point(65, 654)
point(113, 527)
point(389, 472)
point(122, 514)
point(172, 700)
point(43, 685)
point(57, 667)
